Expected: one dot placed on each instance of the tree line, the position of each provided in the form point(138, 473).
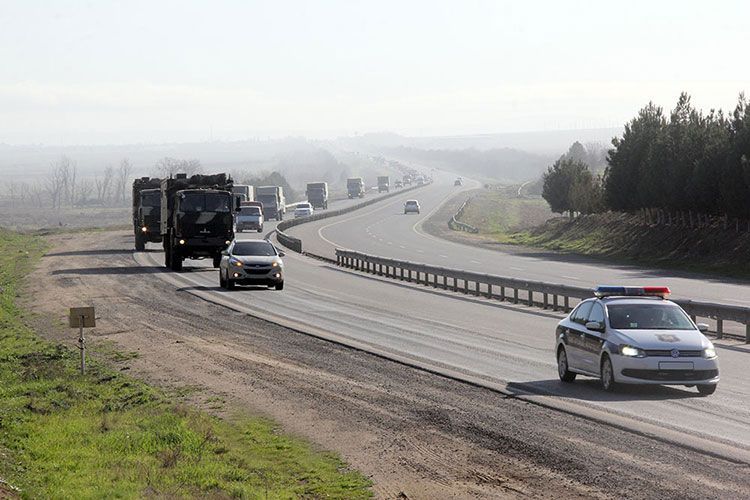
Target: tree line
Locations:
point(63, 186)
point(683, 161)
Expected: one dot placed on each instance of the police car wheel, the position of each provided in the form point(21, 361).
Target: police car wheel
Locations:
point(706, 389)
point(562, 366)
point(607, 375)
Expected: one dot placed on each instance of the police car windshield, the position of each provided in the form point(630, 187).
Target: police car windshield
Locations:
point(260, 248)
point(648, 317)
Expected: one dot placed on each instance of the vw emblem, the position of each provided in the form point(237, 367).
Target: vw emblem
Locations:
point(675, 353)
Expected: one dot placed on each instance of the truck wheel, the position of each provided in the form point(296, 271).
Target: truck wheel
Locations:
point(176, 262)
point(260, 229)
point(140, 243)
point(167, 254)
point(217, 261)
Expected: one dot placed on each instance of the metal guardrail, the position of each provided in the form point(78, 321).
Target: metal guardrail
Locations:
point(533, 293)
point(457, 225)
point(295, 244)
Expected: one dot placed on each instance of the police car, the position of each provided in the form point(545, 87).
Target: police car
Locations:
point(634, 335)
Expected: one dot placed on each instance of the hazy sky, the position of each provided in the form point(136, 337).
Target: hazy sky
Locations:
point(131, 71)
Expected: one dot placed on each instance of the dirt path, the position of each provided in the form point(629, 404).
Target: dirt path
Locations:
point(415, 434)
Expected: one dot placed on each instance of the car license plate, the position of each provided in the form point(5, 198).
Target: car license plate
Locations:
point(675, 365)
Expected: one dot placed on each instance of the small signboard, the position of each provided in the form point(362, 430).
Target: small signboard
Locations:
point(82, 317)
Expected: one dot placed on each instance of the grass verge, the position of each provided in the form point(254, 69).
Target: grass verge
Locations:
point(63, 435)
point(504, 218)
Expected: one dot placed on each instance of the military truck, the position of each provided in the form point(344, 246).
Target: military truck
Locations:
point(355, 187)
point(384, 183)
point(146, 211)
point(274, 203)
point(243, 192)
point(317, 194)
point(197, 217)
point(407, 180)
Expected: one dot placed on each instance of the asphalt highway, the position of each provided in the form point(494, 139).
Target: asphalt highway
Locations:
point(384, 230)
point(509, 348)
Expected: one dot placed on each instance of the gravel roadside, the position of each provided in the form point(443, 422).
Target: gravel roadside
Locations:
point(416, 434)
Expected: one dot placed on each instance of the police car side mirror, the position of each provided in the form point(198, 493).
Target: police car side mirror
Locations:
point(282, 254)
point(702, 327)
point(595, 326)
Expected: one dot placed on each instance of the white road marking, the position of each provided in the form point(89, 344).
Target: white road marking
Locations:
point(743, 302)
point(443, 256)
point(517, 268)
point(402, 247)
point(390, 243)
point(475, 261)
point(571, 278)
point(419, 251)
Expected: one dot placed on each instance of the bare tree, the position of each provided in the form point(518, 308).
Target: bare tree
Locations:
point(166, 167)
point(121, 181)
point(104, 185)
point(55, 183)
point(85, 188)
point(37, 193)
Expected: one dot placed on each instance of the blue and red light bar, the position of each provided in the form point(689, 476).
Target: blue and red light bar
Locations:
point(632, 291)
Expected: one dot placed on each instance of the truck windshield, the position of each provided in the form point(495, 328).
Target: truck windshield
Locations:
point(250, 211)
point(648, 317)
point(150, 199)
point(267, 199)
point(261, 248)
point(205, 202)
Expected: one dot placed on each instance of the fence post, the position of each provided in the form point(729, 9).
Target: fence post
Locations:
point(567, 304)
point(719, 328)
point(476, 289)
point(489, 290)
point(545, 299)
point(502, 293)
point(531, 298)
point(515, 295)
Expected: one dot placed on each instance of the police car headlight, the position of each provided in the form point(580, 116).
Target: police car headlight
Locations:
point(709, 352)
point(632, 352)
point(236, 262)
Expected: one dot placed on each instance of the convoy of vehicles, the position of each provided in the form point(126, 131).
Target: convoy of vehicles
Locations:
point(398, 184)
point(251, 262)
point(274, 203)
point(250, 217)
point(634, 335)
point(317, 194)
point(407, 180)
point(303, 210)
point(355, 187)
point(243, 192)
point(383, 183)
point(411, 207)
point(146, 211)
point(197, 217)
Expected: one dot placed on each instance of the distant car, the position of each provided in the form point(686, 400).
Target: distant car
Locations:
point(249, 217)
point(303, 210)
point(251, 262)
point(399, 184)
point(411, 206)
point(458, 182)
point(634, 335)
point(420, 180)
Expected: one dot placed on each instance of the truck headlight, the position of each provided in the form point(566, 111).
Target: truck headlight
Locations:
point(709, 352)
point(632, 352)
point(236, 263)
point(182, 242)
point(274, 264)
point(144, 229)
